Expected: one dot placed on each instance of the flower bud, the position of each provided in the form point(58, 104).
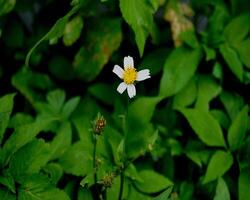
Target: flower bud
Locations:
point(99, 124)
point(108, 179)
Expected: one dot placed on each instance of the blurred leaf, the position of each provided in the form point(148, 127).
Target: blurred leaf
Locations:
point(6, 106)
point(154, 61)
point(61, 141)
point(243, 50)
point(232, 102)
point(84, 193)
point(6, 194)
point(219, 164)
point(222, 192)
point(231, 31)
point(54, 171)
point(103, 92)
point(7, 180)
point(221, 117)
point(135, 194)
point(20, 137)
point(56, 99)
point(31, 84)
point(100, 46)
point(29, 159)
point(244, 184)
point(164, 195)
point(186, 191)
point(20, 119)
point(38, 187)
point(205, 126)
point(232, 60)
point(6, 6)
point(70, 106)
point(207, 90)
point(179, 68)
point(54, 33)
point(237, 130)
point(78, 159)
point(72, 31)
point(160, 182)
point(187, 95)
point(139, 15)
point(244, 154)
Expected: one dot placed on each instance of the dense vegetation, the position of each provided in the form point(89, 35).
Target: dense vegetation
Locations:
point(65, 131)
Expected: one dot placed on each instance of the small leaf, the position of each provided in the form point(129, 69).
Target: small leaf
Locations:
point(232, 60)
point(6, 6)
point(54, 171)
point(6, 106)
point(237, 130)
point(70, 106)
point(219, 164)
point(56, 99)
point(207, 90)
point(164, 195)
point(179, 68)
point(222, 192)
point(205, 126)
point(72, 31)
point(159, 181)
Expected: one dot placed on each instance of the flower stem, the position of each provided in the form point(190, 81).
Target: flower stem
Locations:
point(94, 164)
point(121, 185)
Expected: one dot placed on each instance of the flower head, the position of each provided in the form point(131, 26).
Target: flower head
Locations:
point(129, 75)
point(99, 124)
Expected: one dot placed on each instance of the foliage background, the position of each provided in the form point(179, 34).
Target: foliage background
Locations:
point(184, 136)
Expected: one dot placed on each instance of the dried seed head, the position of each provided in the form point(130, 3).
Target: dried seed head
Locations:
point(99, 124)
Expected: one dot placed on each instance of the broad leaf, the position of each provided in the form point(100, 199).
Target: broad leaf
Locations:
point(237, 130)
point(222, 192)
point(139, 15)
point(219, 164)
point(205, 126)
point(159, 181)
point(179, 68)
point(244, 184)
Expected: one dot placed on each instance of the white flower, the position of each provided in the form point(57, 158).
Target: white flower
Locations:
point(129, 76)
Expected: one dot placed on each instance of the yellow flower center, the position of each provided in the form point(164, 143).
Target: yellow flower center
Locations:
point(129, 75)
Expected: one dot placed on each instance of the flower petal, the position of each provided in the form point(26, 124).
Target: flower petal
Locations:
point(128, 62)
point(143, 75)
point(131, 90)
point(122, 87)
point(118, 71)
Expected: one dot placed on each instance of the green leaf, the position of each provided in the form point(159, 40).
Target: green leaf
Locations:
point(56, 99)
point(219, 164)
point(148, 176)
point(28, 83)
point(70, 106)
point(30, 158)
point(237, 130)
point(186, 96)
point(7, 180)
point(84, 193)
point(179, 68)
point(6, 194)
point(244, 184)
point(222, 192)
point(54, 171)
point(232, 60)
point(72, 31)
point(78, 159)
point(231, 31)
point(164, 195)
point(232, 102)
point(221, 117)
point(21, 136)
point(139, 15)
point(90, 59)
point(243, 49)
point(6, 6)
point(207, 90)
point(205, 126)
point(38, 187)
point(20, 119)
point(6, 106)
point(61, 141)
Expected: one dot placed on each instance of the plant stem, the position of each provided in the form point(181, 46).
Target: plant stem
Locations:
point(121, 185)
point(94, 164)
